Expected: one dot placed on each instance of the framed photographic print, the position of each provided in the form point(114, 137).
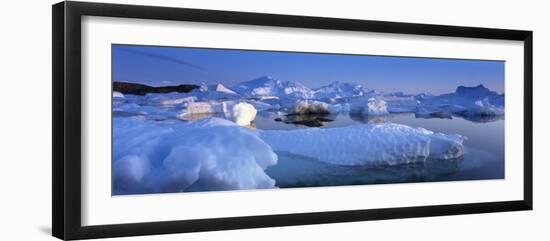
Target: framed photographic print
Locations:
point(170, 120)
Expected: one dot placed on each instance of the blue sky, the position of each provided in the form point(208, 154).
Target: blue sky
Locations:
point(159, 66)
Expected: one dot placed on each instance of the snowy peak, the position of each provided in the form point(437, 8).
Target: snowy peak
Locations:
point(479, 90)
point(267, 86)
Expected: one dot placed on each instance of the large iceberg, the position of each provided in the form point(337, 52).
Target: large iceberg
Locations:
point(469, 102)
point(211, 154)
point(267, 87)
point(339, 89)
point(366, 144)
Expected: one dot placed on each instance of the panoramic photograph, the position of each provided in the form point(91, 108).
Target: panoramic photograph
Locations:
point(187, 119)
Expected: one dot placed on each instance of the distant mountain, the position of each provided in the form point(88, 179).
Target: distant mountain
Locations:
point(267, 86)
point(141, 89)
point(339, 89)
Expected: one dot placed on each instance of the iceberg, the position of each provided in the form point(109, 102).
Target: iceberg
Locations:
point(200, 108)
point(179, 101)
point(337, 89)
point(117, 94)
point(266, 88)
point(308, 107)
point(371, 106)
point(212, 154)
point(223, 89)
point(366, 144)
point(260, 106)
point(243, 114)
point(375, 107)
point(469, 102)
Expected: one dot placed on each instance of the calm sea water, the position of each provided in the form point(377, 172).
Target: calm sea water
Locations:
point(483, 159)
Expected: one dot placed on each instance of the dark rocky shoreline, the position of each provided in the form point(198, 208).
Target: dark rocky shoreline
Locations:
point(141, 89)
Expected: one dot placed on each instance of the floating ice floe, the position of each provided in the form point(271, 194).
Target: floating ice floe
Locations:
point(375, 107)
point(241, 113)
point(117, 94)
point(366, 144)
point(179, 101)
point(470, 102)
point(212, 154)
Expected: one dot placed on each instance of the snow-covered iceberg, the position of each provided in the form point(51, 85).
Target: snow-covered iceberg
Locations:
point(470, 102)
point(337, 89)
point(371, 106)
point(211, 154)
point(267, 87)
point(241, 113)
point(376, 107)
point(366, 144)
point(117, 94)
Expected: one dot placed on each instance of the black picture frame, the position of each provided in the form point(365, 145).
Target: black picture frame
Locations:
point(67, 133)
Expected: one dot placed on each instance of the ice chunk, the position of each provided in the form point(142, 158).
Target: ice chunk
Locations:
point(375, 107)
point(117, 94)
point(223, 89)
point(366, 144)
point(243, 113)
point(483, 107)
point(259, 105)
point(203, 87)
point(200, 108)
point(179, 101)
point(211, 154)
point(131, 168)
